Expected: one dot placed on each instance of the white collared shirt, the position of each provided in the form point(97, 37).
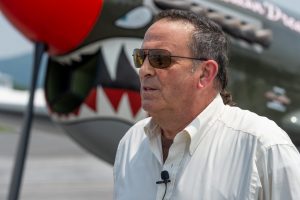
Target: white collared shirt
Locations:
point(224, 153)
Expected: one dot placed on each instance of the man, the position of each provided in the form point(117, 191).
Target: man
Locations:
point(204, 149)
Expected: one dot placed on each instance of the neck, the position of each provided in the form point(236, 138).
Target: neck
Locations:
point(172, 124)
point(173, 121)
point(165, 144)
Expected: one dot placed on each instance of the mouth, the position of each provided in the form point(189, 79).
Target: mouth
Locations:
point(149, 89)
point(104, 69)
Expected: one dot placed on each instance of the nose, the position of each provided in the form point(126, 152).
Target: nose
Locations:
point(146, 69)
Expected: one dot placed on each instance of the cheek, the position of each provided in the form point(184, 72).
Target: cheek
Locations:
point(176, 84)
point(177, 88)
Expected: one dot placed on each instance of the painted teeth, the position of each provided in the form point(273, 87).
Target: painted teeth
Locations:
point(76, 56)
point(103, 109)
point(111, 49)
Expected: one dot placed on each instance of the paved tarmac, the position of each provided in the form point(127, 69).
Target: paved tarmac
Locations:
point(56, 167)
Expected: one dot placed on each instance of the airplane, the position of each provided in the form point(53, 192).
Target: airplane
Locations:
point(92, 89)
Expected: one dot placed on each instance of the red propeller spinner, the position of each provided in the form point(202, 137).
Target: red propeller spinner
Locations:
point(61, 25)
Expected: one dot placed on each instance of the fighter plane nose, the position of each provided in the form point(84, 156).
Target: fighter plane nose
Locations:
point(61, 24)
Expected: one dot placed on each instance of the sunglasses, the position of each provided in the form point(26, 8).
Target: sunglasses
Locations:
point(158, 58)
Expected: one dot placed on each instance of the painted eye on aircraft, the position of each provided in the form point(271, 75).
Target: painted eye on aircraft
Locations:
point(137, 18)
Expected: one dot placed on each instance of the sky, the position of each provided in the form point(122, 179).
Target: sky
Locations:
point(12, 43)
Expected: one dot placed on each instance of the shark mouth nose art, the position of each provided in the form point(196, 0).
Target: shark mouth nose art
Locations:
point(96, 85)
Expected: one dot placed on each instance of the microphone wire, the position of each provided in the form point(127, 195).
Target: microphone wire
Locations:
point(166, 184)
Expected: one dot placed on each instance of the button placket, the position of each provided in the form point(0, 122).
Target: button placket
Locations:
point(172, 164)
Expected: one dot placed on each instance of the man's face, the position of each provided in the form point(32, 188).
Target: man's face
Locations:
point(173, 88)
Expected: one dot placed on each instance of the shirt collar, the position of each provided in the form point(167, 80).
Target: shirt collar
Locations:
point(153, 132)
point(197, 127)
point(152, 129)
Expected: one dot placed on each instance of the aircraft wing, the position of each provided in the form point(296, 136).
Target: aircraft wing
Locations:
point(15, 101)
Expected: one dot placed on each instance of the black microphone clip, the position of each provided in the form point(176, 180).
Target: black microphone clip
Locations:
point(165, 177)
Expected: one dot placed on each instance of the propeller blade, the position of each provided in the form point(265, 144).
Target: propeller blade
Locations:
point(25, 134)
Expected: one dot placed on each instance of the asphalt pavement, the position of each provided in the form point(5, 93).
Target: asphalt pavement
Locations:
point(56, 167)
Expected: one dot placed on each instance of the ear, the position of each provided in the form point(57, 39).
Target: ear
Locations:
point(208, 73)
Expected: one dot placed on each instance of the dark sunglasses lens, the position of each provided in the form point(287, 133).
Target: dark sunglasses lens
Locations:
point(138, 57)
point(159, 58)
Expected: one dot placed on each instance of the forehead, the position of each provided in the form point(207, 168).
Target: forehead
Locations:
point(168, 34)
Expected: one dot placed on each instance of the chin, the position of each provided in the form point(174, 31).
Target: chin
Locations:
point(151, 110)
